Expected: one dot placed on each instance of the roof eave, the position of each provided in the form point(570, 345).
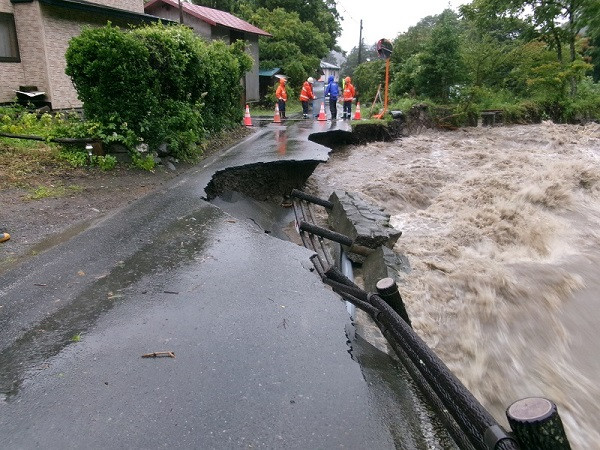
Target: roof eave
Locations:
point(80, 5)
point(197, 15)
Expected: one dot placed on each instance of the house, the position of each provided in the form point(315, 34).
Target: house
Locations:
point(329, 69)
point(215, 24)
point(35, 34)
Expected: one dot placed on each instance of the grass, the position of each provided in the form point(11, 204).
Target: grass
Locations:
point(53, 192)
point(41, 169)
point(23, 162)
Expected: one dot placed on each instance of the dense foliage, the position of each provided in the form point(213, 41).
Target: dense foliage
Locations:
point(367, 53)
point(18, 120)
point(296, 46)
point(303, 32)
point(322, 14)
point(530, 59)
point(157, 84)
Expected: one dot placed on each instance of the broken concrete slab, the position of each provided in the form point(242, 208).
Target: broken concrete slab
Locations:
point(367, 225)
point(383, 263)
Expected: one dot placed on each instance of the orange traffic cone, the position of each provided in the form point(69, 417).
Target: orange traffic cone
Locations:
point(357, 112)
point(322, 115)
point(247, 118)
point(277, 117)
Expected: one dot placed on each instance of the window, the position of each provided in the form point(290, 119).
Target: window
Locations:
point(9, 49)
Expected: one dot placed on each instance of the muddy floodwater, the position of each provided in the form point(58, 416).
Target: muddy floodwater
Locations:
point(502, 229)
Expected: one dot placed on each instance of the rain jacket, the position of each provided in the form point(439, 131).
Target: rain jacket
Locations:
point(332, 88)
point(306, 93)
point(349, 91)
point(281, 93)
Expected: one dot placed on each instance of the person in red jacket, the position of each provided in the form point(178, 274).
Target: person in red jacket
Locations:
point(281, 95)
point(306, 94)
point(349, 93)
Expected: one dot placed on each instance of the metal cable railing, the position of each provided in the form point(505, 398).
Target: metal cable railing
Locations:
point(471, 424)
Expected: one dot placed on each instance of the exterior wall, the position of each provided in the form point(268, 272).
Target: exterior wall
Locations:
point(129, 5)
point(60, 25)
point(43, 35)
point(331, 72)
point(167, 12)
point(12, 73)
point(220, 33)
point(59, 30)
point(31, 70)
point(252, 78)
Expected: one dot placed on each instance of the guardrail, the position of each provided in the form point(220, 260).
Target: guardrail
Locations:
point(535, 421)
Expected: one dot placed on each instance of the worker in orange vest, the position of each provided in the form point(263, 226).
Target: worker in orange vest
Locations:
point(281, 95)
point(349, 93)
point(306, 94)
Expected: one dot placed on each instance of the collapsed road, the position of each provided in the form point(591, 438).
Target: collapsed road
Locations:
point(260, 351)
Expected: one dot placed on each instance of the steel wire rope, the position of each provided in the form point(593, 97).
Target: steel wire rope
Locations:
point(311, 219)
point(303, 235)
point(473, 419)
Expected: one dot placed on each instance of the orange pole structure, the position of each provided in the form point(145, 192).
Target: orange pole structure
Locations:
point(387, 85)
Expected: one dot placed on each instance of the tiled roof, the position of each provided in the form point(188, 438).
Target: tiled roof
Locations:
point(326, 65)
point(212, 16)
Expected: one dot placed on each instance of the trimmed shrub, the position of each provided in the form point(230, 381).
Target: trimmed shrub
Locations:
point(162, 83)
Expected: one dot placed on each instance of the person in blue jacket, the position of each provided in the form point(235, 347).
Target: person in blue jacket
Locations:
point(333, 91)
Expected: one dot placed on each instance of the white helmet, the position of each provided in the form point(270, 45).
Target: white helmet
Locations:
point(311, 80)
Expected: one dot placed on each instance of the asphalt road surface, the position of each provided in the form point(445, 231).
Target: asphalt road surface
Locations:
point(265, 354)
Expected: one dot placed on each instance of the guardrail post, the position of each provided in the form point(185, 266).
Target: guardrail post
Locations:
point(536, 424)
point(388, 291)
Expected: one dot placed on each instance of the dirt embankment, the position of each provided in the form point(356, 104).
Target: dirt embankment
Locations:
point(70, 198)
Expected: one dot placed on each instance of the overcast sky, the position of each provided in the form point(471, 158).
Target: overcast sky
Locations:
point(385, 18)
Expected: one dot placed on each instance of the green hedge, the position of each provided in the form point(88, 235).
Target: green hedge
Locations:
point(158, 84)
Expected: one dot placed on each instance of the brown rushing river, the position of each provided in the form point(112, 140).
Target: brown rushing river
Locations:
point(502, 229)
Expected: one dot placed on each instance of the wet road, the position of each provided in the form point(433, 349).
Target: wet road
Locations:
point(262, 353)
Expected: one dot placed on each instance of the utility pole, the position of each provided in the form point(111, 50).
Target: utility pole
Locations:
point(360, 42)
point(180, 13)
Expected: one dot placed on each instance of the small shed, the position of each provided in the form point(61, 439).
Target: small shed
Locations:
point(215, 24)
point(267, 80)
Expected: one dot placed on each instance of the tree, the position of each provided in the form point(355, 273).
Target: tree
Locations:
point(223, 5)
point(407, 55)
point(501, 15)
point(414, 40)
point(558, 22)
point(321, 13)
point(368, 53)
point(367, 77)
point(590, 17)
point(441, 64)
point(294, 43)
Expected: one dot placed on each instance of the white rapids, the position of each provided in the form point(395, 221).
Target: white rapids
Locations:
point(502, 229)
